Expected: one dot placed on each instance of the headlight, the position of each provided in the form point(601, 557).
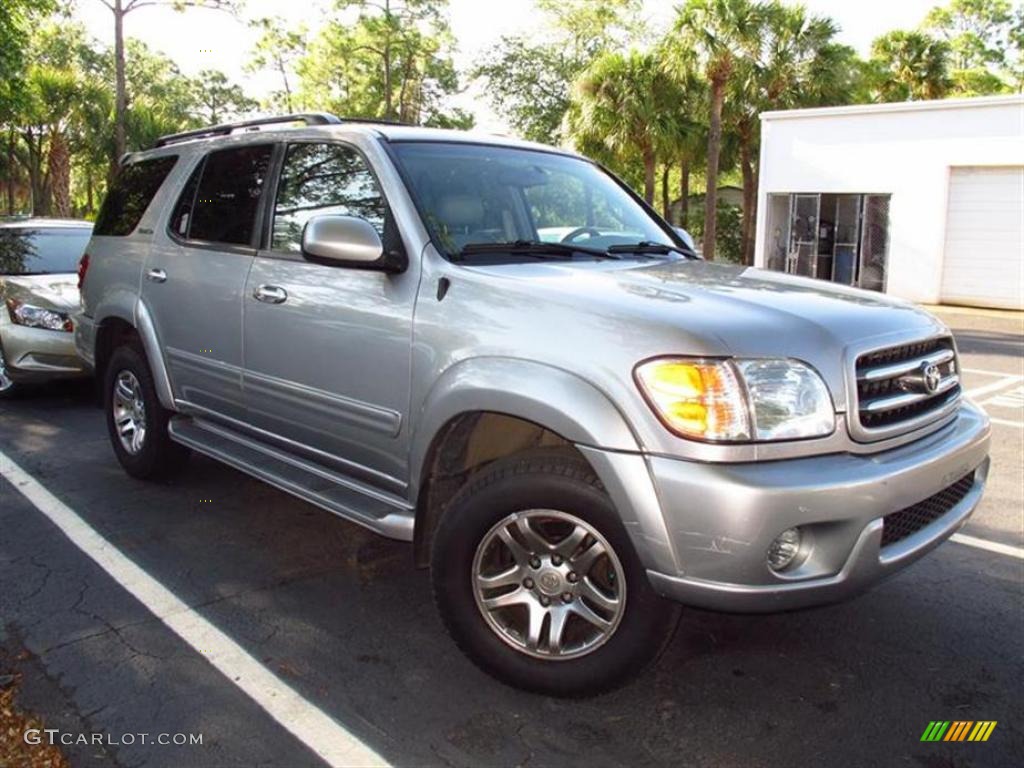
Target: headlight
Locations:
point(737, 400)
point(38, 317)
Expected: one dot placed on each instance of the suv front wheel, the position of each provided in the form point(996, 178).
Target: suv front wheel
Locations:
point(136, 420)
point(538, 583)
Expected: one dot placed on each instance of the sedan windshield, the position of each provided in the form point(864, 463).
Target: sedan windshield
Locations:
point(35, 251)
point(473, 194)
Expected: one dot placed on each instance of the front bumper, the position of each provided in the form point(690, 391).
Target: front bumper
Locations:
point(38, 354)
point(720, 519)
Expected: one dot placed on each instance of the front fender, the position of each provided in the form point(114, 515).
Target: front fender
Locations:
point(567, 405)
point(550, 397)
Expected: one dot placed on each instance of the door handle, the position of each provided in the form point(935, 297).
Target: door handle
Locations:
point(270, 294)
point(156, 276)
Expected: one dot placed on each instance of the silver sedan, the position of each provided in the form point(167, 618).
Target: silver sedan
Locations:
point(39, 288)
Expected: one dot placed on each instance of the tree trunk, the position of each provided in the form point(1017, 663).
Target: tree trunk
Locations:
point(650, 168)
point(10, 172)
point(666, 203)
point(120, 88)
point(287, 88)
point(749, 201)
point(388, 85)
point(88, 191)
point(684, 192)
point(59, 163)
point(714, 147)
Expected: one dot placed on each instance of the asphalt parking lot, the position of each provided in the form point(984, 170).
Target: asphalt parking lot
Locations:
point(343, 619)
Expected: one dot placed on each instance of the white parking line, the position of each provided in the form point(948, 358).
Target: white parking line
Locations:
point(1007, 422)
point(995, 386)
point(1012, 399)
point(318, 731)
point(990, 546)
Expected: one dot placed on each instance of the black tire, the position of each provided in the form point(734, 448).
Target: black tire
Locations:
point(159, 458)
point(544, 479)
point(8, 389)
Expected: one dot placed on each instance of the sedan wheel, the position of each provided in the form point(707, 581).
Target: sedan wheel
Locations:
point(6, 382)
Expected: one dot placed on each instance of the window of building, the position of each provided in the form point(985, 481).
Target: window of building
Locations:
point(227, 198)
point(838, 237)
point(320, 179)
point(130, 195)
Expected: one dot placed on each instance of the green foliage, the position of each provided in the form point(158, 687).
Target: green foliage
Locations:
point(219, 100)
point(279, 50)
point(16, 20)
point(977, 31)
point(626, 106)
point(728, 234)
point(908, 66)
point(530, 80)
point(715, 36)
point(984, 41)
point(392, 61)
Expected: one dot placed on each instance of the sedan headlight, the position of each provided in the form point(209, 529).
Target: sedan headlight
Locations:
point(38, 317)
point(737, 400)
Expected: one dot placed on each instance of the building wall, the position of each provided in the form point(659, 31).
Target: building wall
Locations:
point(905, 150)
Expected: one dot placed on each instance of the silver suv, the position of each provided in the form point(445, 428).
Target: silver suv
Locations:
point(496, 351)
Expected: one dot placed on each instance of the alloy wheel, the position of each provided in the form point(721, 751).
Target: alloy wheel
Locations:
point(129, 412)
point(549, 584)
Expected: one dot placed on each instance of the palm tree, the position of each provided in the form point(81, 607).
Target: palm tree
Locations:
point(716, 36)
point(909, 66)
point(799, 64)
point(622, 105)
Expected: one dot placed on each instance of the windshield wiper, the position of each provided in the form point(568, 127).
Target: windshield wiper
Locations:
point(646, 246)
point(536, 248)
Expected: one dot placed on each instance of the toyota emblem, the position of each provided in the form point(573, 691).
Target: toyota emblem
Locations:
point(932, 378)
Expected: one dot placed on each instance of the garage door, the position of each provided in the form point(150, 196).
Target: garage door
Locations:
point(984, 256)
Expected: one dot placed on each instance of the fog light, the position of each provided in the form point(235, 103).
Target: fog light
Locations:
point(784, 549)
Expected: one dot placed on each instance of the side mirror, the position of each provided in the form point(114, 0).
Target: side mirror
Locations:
point(686, 237)
point(347, 241)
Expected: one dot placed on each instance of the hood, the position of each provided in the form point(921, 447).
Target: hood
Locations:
point(58, 292)
point(767, 304)
point(701, 308)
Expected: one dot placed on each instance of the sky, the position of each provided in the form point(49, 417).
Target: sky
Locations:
point(199, 39)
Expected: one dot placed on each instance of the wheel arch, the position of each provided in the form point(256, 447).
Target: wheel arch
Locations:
point(489, 408)
point(120, 324)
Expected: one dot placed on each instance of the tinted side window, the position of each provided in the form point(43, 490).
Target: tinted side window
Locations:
point(182, 217)
point(228, 196)
point(325, 179)
point(130, 194)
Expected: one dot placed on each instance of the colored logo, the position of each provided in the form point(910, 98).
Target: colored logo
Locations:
point(958, 730)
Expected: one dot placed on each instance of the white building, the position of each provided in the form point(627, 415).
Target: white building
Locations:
point(922, 200)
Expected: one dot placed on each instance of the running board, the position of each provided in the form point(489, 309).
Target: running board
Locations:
point(353, 500)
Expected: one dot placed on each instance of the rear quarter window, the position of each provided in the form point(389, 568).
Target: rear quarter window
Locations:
point(130, 195)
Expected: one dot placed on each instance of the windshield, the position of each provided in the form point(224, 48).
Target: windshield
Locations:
point(41, 251)
point(471, 194)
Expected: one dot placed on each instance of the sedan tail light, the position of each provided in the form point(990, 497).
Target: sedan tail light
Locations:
point(83, 267)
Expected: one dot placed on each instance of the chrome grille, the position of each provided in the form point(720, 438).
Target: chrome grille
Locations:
point(899, 525)
point(903, 386)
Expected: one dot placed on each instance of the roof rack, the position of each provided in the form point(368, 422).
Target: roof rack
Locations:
point(308, 118)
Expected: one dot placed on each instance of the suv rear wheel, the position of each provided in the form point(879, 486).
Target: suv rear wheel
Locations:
point(538, 583)
point(136, 420)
